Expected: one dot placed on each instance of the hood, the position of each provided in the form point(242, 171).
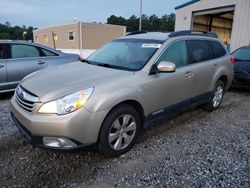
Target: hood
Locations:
point(62, 80)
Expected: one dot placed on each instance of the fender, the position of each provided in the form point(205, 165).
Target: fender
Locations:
point(103, 101)
point(222, 71)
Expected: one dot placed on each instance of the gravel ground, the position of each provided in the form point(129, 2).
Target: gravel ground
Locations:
point(195, 149)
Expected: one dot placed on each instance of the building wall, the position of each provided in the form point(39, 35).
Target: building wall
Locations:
point(62, 33)
point(241, 24)
point(93, 36)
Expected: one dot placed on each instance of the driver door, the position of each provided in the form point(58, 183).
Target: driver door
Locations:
point(170, 90)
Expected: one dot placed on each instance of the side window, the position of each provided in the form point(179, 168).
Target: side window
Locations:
point(1, 51)
point(200, 50)
point(71, 35)
point(47, 53)
point(24, 51)
point(218, 49)
point(176, 53)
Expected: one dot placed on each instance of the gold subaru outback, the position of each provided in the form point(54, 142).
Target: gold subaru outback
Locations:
point(106, 100)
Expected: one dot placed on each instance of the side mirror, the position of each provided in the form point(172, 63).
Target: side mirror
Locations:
point(166, 66)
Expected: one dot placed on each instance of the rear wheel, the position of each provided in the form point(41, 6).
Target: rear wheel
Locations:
point(119, 131)
point(216, 98)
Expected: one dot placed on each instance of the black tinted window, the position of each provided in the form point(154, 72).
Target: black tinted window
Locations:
point(176, 53)
point(218, 49)
point(200, 50)
point(1, 51)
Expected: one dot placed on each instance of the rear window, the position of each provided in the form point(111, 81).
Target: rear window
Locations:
point(218, 49)
point(242, 54)
point(200, 50)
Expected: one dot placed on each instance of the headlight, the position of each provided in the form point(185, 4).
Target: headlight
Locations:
point(67, 104)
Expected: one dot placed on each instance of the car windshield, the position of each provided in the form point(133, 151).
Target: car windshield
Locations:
point(125, 54)
point(242, 54)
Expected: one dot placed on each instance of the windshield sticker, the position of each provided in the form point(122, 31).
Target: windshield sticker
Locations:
point(149, 45)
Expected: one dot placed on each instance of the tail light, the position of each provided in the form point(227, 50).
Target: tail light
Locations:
point(80, 58)
point(232, 59)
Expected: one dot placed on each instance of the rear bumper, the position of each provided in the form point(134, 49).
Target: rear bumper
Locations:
point(241, 80)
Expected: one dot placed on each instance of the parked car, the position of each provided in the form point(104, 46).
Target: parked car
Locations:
point(241, 67)
point(20, 58)
point(120, 89)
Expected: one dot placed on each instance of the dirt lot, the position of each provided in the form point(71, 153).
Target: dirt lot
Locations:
point(197, 149)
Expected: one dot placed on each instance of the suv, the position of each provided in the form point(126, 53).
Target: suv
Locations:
point(109, 98)
point(20, 58)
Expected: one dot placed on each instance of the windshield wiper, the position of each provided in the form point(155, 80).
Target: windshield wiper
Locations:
point(114, 66)
point(85, 60)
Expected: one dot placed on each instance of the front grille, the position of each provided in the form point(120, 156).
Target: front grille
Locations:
point(25, 99)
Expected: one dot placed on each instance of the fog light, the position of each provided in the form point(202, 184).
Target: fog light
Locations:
point(58, 142)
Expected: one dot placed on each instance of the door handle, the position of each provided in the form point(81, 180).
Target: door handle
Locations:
point(1, 66)
point(189, 74)
point(41, 62)
point(215, 66)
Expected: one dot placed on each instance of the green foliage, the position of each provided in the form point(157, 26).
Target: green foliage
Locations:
point(151, 23)
point(16, 32)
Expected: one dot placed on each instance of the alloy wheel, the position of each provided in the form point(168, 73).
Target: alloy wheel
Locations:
point(122, 132)
point(218, 94)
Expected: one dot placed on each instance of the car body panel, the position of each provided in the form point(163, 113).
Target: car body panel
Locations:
point(81, 79)
point(241, 74)
point(242, 68)
point(18, 68)
point(156, 93)
point(71, 125)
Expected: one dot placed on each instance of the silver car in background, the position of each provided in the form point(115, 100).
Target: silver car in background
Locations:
point(20, 58)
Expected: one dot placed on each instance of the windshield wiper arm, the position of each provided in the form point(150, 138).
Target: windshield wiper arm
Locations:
point(114, 66)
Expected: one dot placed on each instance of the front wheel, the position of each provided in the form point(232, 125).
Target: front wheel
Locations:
point(119, 131)
point(216, 98)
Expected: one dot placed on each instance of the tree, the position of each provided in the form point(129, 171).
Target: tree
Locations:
point(16, 32)
point(8, 24)
point(133, 24)
point(151, 23)
point(116, 20)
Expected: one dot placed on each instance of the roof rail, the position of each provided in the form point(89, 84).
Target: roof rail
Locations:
point(11, 40)
point(135, 33)
point(193, 32)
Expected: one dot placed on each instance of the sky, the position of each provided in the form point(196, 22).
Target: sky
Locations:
point(43, 13)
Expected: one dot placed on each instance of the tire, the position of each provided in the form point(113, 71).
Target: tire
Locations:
point(119, 131)
point(216, 98)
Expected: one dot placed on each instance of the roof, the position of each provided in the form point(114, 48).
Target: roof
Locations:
point(186, 4)
point(75, 23)
point(161, 36)
point(29, 43)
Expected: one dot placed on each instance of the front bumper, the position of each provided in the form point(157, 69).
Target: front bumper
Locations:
point(80, 127)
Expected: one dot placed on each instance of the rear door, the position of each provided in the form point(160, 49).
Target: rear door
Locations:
point(204, 64)
point(24, 59)
point(3, 76)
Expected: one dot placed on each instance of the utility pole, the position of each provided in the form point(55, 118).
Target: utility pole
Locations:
point(140, 15)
